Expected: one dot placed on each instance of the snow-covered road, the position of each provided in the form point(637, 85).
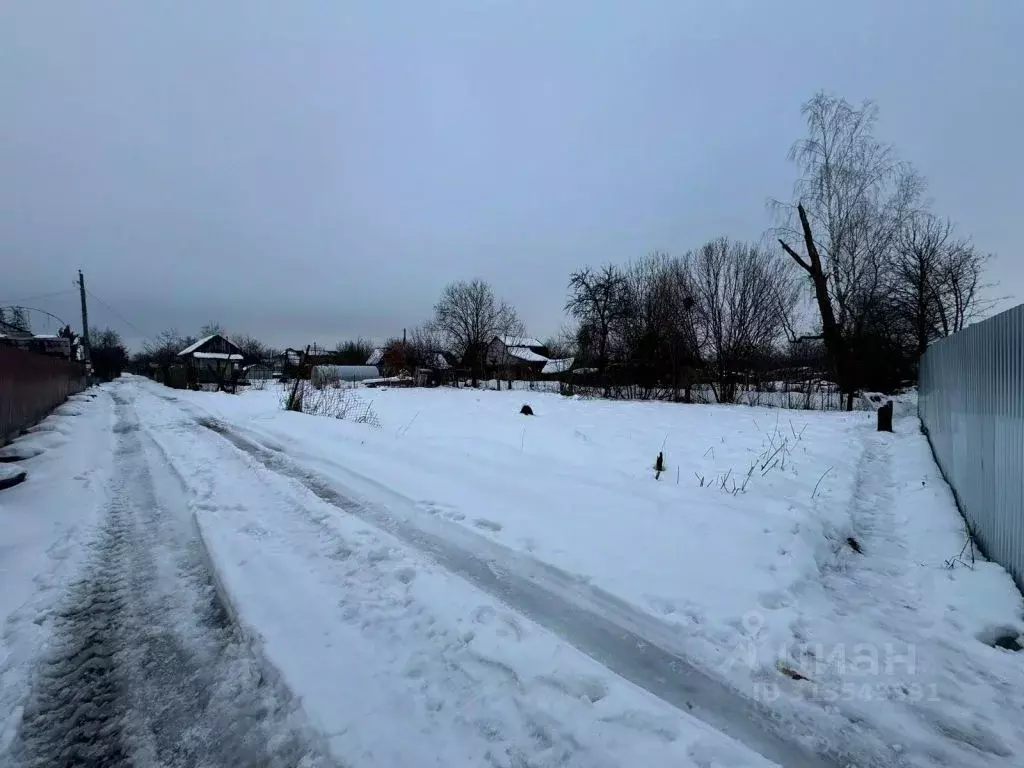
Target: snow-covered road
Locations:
point(224, 583)
point(143, 666)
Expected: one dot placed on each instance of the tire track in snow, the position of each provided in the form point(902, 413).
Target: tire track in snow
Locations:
point(145, 668)
point(605, 628)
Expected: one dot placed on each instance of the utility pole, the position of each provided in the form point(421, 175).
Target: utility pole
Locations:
point(85, 318)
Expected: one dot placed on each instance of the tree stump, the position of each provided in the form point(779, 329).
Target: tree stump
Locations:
point(885, 417)
point(526, 410)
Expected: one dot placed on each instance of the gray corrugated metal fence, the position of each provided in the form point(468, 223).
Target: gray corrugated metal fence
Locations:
point(971, 403)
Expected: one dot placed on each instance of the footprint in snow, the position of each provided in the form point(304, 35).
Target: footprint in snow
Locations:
point(663, 606)
point(378, 555)
point(340, 552)
point(511, 628)
point(256, 531)
point(405, 575)
point(483, 615)
point(591, 689)
point(661, 727)
point(442, 510)
point(488, 525)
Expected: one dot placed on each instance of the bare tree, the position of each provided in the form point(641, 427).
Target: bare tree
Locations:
point(15, 319)
point(354, 352)
point(251, 347)
point(107, 353)
point(562, 345)
point(959, 301)
point(468, 316)
point(743, 297)
point(852, 199)
point(936, 278)
point(685, 334)
point(599, 299)
point(397, 358)
point(425, 343)
point(657, 335)
point(212, 329)
point(164, 349)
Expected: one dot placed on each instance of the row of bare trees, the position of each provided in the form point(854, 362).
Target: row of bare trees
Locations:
point(665, 322)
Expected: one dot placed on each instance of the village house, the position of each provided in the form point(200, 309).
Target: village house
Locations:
point(516, 357)
point(213, 360)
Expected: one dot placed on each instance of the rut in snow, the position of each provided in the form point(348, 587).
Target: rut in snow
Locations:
point(145, 668)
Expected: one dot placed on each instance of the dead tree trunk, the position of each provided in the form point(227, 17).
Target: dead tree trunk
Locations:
point(831, 334)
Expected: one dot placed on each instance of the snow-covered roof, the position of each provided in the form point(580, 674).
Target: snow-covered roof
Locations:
point(526, 354)
point(441, 362)
point(193, 347)
point(14, 333)
point(216, 356)
point(519, 341)
point(558, 366)
point(376, 356)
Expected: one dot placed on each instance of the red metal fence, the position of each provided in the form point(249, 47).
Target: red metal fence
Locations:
point(31, 385)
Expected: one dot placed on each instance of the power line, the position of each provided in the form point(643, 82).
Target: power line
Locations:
point(119, 316)
point(41, 296)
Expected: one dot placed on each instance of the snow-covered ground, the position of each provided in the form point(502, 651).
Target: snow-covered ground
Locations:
point(740, 557)
point(44, 525)
point(463, 585)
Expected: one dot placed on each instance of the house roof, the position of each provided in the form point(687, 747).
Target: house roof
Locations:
point(526, 354)
point(519, 341)
point(191, 348)
point(558, 366)
point(376, 356)
point(9, 331)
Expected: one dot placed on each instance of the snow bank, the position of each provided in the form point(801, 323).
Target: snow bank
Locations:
point(44, 524)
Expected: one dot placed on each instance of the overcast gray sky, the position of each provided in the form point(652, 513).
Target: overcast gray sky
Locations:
point(312, 171)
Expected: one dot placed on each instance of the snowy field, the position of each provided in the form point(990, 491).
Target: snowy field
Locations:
point(457, 584)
